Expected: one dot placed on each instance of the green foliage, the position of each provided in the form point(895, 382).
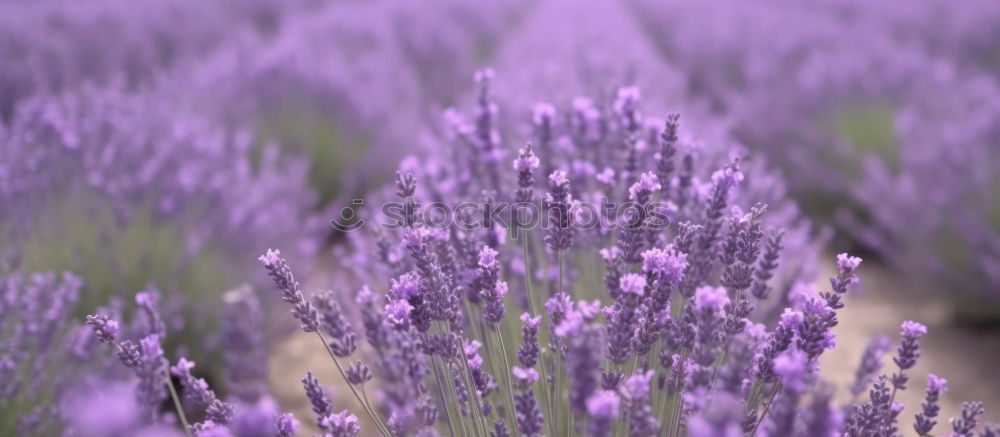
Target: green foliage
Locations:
point(870, 128)
point(306, 130)
point(119, 257)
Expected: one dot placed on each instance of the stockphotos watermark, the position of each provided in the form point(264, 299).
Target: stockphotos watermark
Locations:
point(605, 215)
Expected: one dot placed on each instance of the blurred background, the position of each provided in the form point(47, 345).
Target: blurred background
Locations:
point(161, 146)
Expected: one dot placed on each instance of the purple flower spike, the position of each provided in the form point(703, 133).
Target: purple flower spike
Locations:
point(320, 401)
point(647, 184)
point(281, 274)
point(710, 299)
point(559, 203)
point(105, 329)
point(286, 425)
point(633, 284)
point(528, 352)
point(525, 377)
point(908, 351)
point(925, 422)
point(397, 313)
point(603, 408)
point(342, 424)
point(526, 160)
point(666, 265)
point(793, 369)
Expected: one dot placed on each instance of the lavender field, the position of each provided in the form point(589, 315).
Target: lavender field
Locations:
point(343, 218)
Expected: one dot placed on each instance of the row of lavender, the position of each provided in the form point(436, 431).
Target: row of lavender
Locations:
point(891, 105)
point(380, 72)
point(692, 330)
point(145, 144)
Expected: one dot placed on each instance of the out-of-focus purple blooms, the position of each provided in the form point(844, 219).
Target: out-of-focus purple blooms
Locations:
point(108, 409)
point(721, 419)
point(397, 313)
point(603, 408)
point(793, 368)
point(647, 184)
point(666, 265)
point(633, 284)
point(710, 299)
point(255, 419)
point(822, 418)
point(358, 373)
point(871, 363)
point(244, 345)
point(342, 424)
point(636, 391)
point(558, 306)
point(286, 425)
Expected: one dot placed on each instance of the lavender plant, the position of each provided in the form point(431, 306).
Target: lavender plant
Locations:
point(874, 115)
point(669, 343)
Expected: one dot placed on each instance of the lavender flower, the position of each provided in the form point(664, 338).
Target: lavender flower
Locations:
point(286, 425)
point(342, 424)
point(528, 352)
point(622, 317)
point(358, 373)
point(969, 420)
point(302, 309)
point(105, 329)
point(318, 398)
point(908, 352)
point(559, 205)
point(871, 363)
point(529, 417)
point(343, 340)
point(636, 390)
point(491, 289)
point(525, 164)
point(603, 408)
point(925, 422)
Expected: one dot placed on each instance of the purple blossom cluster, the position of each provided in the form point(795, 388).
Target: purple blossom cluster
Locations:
point(683, 337)
point(882, 115)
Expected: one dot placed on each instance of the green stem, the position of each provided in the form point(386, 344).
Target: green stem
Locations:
point(767, 406)
point(368, 409)
point(178, 407)
point(173, 396)
point(527, 274)
point(559, 285)
point(444, 399)
point(454, 393)
point(479, 420)
point(507, 376)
